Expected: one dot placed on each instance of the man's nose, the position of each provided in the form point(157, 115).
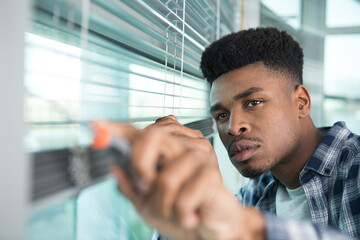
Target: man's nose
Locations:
point(238, 125)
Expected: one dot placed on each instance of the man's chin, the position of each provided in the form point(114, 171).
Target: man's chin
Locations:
point(251, 168)
point(251, 173)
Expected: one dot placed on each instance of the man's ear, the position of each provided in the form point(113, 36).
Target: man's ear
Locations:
point(303, 100)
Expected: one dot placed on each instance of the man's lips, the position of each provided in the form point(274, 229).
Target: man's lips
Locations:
point(242, 150)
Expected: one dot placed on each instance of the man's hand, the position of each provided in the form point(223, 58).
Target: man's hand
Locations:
point(172, 126)
point(186, 198)
point(169, 124)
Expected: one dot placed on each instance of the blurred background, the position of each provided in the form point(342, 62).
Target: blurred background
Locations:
point(65, 63)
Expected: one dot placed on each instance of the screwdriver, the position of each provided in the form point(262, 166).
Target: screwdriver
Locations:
point(118, 147)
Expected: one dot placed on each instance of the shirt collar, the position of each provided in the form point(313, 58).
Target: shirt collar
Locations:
point(326, 154)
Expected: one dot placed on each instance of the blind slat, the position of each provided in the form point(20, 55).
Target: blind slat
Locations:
point(122, 60)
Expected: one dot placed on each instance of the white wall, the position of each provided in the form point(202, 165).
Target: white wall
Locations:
point(251, 13)
point(13, 165)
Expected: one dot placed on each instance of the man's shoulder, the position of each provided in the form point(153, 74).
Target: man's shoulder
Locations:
point(349, 143)
point(352, 143)
point(339, 151)
point(341, 132)
point(348, 161)
point(339, 140)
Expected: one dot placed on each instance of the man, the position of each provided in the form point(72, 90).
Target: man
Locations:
point(302, 179)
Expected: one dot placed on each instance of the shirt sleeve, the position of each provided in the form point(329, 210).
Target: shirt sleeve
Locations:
point(290, 229)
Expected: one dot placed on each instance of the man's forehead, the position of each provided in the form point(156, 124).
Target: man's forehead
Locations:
point(248, 70)
point(236, 94)
point(235, 82)
point(244, 83)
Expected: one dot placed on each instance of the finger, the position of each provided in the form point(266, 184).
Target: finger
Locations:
point(169, 118)
point(150, 147)
point(195, 196)
point(171, 125)
point(125, 186)
point(201, 144)
point(172, 178)
point(176, 128)
point(164, 120)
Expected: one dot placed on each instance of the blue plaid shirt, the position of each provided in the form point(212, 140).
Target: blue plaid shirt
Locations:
point(331, 181)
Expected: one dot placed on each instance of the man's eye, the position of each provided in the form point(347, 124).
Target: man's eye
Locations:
point(253, 103)
point(221, 116)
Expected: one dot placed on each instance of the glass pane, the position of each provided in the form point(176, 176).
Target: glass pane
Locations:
point(289, 11)
point(348, 111)
point(56, 222)
point(341, 65)
point(342, 13)
point(72, 76)
point(53, 87)
point(103, 213)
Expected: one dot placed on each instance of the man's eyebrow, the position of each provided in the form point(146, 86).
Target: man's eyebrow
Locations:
point(247, 93)
point(215, 107)
point(238, 96)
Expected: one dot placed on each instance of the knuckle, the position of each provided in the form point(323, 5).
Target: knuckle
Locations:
point(151, 133)
point(160, 119)
point(172, 116)
point(197, 154)
point(153, 125)
point(198, 133)
point(172, 125)
point(168, 182)
point(166, 118)
point(205, 145)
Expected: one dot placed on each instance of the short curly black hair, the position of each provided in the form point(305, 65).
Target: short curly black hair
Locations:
point(276, 49)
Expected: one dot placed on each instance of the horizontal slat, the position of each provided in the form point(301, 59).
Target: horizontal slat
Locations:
point(124, 39)
point(189, 15)
point(54, 178)
point(115, 104)
point(170, 84)
point(108, 32)
point(125, 53)
point(227, 15)
point(112, 66)
point(51, 168)
point(145, 119)
point(168, 23)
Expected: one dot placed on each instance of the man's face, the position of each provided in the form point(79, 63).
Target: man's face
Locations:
point(256, 117)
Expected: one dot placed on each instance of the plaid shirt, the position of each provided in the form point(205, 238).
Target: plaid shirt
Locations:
point(331, 181)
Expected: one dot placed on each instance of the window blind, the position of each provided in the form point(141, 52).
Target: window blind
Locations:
point(130, 61)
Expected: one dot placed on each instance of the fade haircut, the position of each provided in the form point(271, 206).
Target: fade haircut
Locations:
point(279, 52)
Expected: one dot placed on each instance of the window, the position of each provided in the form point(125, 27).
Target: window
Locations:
point(342, 80)
point(329, 34)
point(288, 11)
point(130, 61)
point(344, 13)
point(341, 65)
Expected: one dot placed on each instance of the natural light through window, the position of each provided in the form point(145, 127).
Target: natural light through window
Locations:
point(342, 13)
point(341, 65)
